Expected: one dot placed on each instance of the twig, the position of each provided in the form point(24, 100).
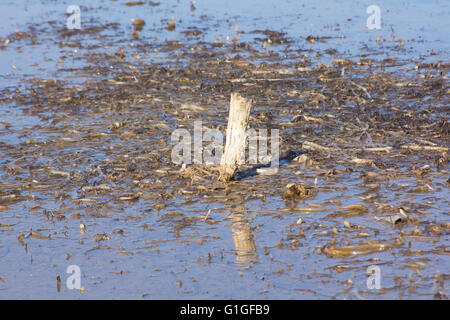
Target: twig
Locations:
point(308, 145)
point(362, 88)
point(416, 147)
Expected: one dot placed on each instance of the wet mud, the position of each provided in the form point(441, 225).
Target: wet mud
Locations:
point(86, 176)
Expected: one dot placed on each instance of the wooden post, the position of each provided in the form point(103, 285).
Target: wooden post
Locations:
point(234, 152)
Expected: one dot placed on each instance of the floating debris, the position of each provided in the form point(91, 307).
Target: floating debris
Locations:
point(171, 26)
point(396, 219)
point(134, 3)
point(366, 134)
point(297, 191)
point(138, 24)
point(360, 250)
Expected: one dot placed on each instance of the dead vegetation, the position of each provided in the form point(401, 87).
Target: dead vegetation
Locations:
point(374, 137)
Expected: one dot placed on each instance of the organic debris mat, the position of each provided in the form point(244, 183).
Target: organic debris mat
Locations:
point(370, 185)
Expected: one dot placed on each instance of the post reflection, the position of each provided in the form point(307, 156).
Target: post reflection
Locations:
point(244, 243)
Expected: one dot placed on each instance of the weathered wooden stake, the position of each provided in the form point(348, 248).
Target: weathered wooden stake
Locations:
point(234, 152)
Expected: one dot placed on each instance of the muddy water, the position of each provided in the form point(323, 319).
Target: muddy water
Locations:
point(85, 124)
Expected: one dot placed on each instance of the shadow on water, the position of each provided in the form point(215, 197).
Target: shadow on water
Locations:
point(86, 176)
point(284, 159)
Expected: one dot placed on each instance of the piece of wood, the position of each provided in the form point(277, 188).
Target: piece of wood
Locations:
point(234, 153)
point(416, 147)
point(308, 145)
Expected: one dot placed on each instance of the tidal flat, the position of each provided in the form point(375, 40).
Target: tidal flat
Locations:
point(87, 178)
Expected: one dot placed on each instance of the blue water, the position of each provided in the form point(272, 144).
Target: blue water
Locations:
point(151, 261)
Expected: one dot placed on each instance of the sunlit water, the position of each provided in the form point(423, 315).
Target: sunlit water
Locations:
point(154, 253)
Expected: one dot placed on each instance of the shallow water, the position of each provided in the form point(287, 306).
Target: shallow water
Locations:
point(185, 236)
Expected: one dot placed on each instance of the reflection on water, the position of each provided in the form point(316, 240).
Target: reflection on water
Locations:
point(243, 239)
point(85, 125)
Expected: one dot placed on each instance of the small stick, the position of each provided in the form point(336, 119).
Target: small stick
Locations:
point(308, 145)
point(234, 152)
point(207, 215)
point(363, 89)
point(378, 149)
point(416, 147)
